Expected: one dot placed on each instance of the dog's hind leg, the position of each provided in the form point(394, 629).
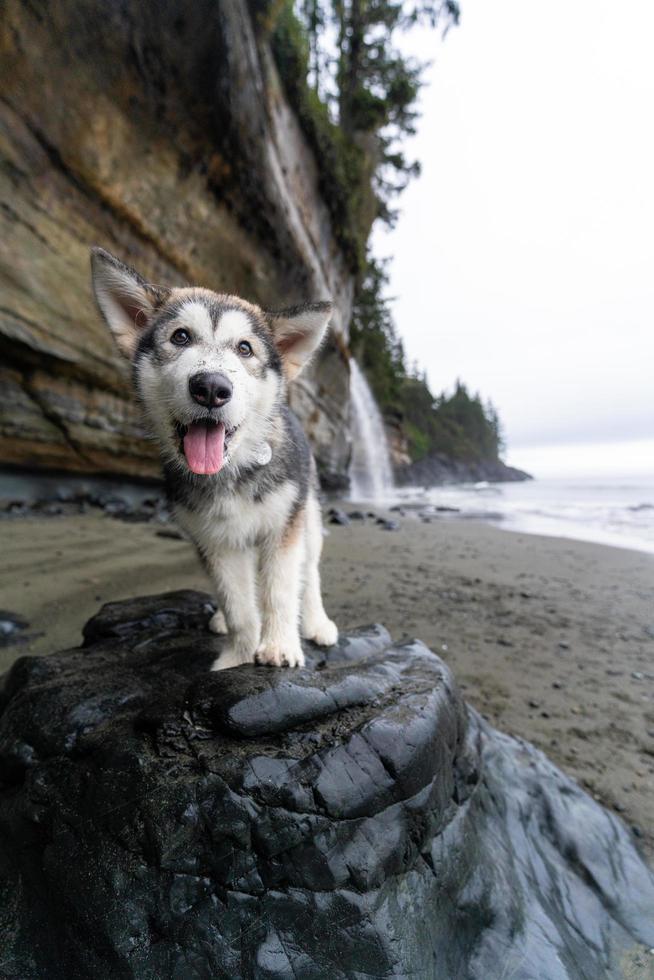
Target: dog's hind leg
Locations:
point(234, 576)
point(280, 577)
point(316, 625)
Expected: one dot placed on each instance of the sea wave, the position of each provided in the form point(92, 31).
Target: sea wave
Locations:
point(615, 512)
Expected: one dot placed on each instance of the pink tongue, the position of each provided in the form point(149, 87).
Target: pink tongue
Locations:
point(203, 447)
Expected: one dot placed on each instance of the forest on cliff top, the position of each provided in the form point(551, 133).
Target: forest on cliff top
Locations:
point(355, 94)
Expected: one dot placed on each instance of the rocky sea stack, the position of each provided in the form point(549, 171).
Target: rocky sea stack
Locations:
point(352, 819)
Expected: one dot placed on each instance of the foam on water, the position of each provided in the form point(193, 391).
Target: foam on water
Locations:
point(614, 511)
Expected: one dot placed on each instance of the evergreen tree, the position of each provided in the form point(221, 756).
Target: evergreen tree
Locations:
point(355, 96)
point(375, 87)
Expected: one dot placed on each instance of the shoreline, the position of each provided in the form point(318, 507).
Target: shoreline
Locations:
point(33, 494)
point(611, 511)
point(621, 544)
point(551, 639)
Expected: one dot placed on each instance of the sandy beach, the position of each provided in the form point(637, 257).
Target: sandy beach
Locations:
point(551, 639)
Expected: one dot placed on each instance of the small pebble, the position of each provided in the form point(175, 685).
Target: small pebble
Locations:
point(11, 626)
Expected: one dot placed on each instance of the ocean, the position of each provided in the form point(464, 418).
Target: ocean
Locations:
point(616, 511)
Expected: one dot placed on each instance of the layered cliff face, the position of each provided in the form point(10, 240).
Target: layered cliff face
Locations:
point(161, 132)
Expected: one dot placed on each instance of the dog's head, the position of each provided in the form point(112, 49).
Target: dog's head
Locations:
point(210, 369)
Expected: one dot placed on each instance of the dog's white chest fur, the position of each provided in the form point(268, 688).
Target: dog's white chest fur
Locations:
point(236, 520)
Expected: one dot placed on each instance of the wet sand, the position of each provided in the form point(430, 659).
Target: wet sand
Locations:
point(551, 639)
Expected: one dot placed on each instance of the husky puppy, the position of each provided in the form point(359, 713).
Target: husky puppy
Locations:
point(211, 371)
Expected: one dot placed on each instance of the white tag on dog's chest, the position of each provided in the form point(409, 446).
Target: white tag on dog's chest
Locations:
point(263, 454)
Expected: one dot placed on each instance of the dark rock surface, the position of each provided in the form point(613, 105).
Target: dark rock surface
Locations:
point(350, 820)
point(337, 516)
point(146, 506)
point(440, 470)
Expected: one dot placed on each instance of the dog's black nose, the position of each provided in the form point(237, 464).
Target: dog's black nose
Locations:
point(210, 390)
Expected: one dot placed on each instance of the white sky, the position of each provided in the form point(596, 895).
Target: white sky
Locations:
point(523, 260)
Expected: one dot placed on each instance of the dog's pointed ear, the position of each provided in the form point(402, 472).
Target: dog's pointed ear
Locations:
point(125, 300)
point(298, 332)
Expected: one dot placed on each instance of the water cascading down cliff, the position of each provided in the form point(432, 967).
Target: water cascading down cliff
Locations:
point(371, 472)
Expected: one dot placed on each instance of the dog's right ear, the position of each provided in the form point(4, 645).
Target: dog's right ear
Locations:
point(125, 300)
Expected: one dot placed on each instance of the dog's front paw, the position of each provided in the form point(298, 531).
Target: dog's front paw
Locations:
point(217, 623)
point(324, 632)
point(280, 654)
point(231, 658)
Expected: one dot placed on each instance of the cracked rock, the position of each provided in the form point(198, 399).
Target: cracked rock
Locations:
point(353, 819)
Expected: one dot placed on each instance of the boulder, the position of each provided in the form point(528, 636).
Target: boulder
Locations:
point(352, 819)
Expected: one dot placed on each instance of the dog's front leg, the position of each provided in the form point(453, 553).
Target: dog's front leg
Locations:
point(234, 577)
point(280, 567)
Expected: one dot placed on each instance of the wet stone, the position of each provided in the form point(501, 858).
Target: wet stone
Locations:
point(337, 516)
point(351, 819)
point(388, 525)
point(11, 628)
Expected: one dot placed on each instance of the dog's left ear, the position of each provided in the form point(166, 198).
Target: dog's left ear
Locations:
point(126, 300)
point(298, 332)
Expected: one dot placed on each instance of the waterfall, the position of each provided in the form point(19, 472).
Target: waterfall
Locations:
point(371, 474)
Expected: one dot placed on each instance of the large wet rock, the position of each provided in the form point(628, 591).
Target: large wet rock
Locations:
point(350, 820)
point(162, 132)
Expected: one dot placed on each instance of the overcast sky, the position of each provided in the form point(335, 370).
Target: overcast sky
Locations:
point(523, 261)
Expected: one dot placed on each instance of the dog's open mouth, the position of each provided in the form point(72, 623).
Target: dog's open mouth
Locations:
point(203, 445)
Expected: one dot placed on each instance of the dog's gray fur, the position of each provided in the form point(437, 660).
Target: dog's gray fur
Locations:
point(256, 522)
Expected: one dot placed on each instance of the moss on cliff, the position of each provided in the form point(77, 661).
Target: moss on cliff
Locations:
point(343, 168)
point(372, 95)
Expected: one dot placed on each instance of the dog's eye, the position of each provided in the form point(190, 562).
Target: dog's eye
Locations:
point(245, 349)
point(180, 338)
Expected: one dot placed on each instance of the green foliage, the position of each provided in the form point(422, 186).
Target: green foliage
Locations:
point(373, 338)
point(355, 105)
point(341, 163)
point(458, 426)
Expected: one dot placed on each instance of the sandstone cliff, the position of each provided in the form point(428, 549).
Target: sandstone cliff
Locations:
point(161, 132)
